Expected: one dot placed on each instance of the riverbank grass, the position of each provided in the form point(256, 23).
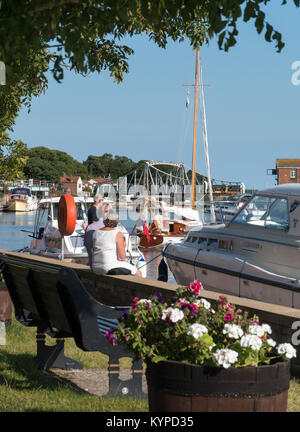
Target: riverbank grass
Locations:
point(23, 387)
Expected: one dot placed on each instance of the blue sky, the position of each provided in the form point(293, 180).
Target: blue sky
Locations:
point(252, 107)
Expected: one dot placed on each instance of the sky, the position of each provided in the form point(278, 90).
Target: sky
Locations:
point(252, 105)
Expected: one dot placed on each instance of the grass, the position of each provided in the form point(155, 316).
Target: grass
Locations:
point(25, 388)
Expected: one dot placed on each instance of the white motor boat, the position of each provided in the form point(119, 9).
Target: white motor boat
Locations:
point(48, 241)
point(21, 200)
point(256, 255)
point(225, 210)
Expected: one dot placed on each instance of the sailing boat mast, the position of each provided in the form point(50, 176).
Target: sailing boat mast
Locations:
point(195, 126)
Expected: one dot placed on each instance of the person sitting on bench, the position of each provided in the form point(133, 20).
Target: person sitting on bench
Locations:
point(109, 248)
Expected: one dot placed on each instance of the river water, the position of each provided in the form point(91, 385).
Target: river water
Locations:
point(16, 228)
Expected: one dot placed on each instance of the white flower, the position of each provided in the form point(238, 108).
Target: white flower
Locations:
point(252, 341)
point(197, 330)
point(267, 328)
point(233, 331)
point(211, 346)
point(225, 357)
point(271, 342)
point(205, 303)
point(173, 314)
point(256, 330)
point(287, 350)
point(145, 301)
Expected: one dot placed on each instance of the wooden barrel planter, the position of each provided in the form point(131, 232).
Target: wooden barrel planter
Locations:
point(5, 304)
point(175, 386)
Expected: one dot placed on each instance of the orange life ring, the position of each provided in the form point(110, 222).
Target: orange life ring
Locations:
point(67, 215)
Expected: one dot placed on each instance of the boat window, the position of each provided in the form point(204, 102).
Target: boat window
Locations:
point(266, 212)
point(55, 211)
point(277, 217)
point(80, 212)
point(253, 213)
point(212, 243)
point(223, 244)
point(202, 241)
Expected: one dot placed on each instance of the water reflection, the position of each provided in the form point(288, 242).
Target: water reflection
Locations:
point(23, 219)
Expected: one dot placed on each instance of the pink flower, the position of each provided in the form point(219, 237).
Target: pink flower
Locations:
point(228, 316)
point(135, 300)
point(182, 301)
point(192, 308)
point(110, 336)
point(195, 287)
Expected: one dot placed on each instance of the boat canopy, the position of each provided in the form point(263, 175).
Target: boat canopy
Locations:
point(276, 208)
point(21, 191)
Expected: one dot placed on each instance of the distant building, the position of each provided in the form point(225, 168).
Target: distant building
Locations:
point(71, 184)
point(286, 171)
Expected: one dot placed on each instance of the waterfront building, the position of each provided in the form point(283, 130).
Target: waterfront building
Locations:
point(286, 171)
point(71, 184)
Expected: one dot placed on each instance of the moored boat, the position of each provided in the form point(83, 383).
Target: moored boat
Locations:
point(47, 240)
point(255, 255)
point(163, 229)
point(21, 200)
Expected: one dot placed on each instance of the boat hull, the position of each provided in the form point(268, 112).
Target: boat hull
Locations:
point(232, 275)
point(17, 206)
point(158, 240)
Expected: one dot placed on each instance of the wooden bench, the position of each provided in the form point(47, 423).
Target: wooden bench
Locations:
point(55, 301)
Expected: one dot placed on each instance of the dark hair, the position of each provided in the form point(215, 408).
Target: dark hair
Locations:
point(110, 223)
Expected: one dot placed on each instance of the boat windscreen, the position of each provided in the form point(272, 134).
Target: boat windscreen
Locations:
point(266, 212)
point(80, 212)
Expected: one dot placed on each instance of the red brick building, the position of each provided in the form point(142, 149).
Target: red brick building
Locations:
point(72, 184)
point(287, 171)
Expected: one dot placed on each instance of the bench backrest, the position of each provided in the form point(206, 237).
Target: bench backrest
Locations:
point(56, 301)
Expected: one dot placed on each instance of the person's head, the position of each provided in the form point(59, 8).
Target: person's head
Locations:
point(102, 209)
point(98, 199)
point(110, 219)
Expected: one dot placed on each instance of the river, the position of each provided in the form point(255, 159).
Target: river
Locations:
point(16, 228)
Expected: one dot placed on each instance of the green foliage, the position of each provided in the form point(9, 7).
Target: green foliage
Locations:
point(190, 330)
point(105, 165)
point(87, 36)
point(49, 165)
point(13, 157)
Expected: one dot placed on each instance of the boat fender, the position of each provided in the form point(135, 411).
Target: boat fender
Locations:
point(142, 267)
point(163, 271)
point(67, 215)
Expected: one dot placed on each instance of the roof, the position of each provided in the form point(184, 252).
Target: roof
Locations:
point(287, 163)
point(283, 189)
point(69, 179)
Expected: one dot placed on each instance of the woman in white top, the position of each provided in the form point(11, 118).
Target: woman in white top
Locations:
point(109, 247)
